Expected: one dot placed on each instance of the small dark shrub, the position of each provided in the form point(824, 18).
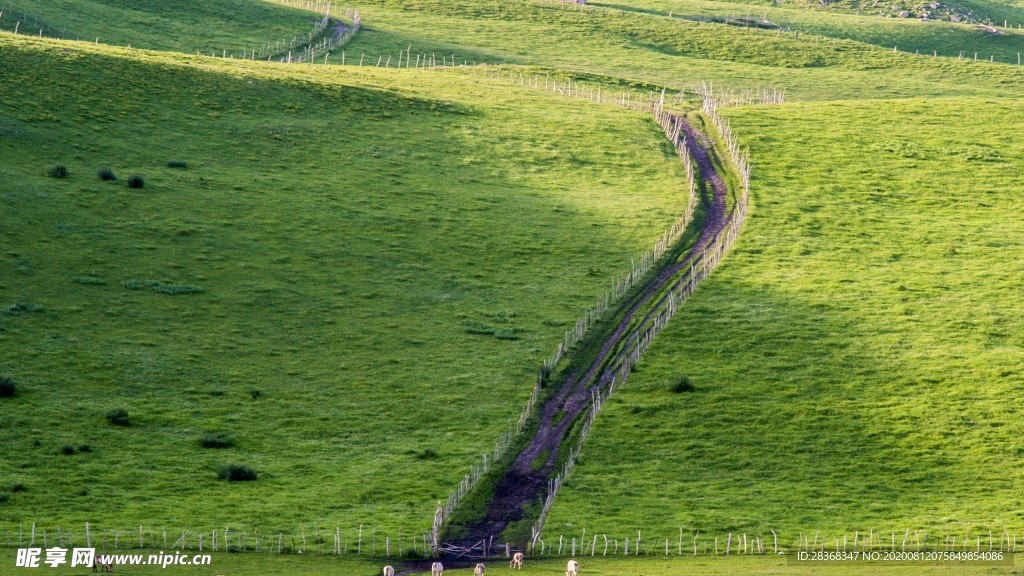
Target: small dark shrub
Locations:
point(4, 497)
point(118, 417)
point(682, 384)
point(218, 440)
point(6, 387)
point(136, 181)
point(57, 171)
point(67, 449)
point(106, 174)
point(24, 308)
point(18, 487)
point(85, 448)
point(427, 454)
point(236, 473)
point(255, 394)
point(177, 164)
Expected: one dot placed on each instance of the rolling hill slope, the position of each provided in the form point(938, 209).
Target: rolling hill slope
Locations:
point(353, 277)
point(347, 275)
point(856, 361)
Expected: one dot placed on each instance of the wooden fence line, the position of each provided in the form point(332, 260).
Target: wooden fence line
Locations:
point(357, 540)
point(699, 270)
point(309, 53)
point(701, 266)
point(297, 49)
point(672, 127)
point(361, 541)
point(745, 544)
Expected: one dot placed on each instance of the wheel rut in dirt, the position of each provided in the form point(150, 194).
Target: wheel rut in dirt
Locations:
point(525, 482)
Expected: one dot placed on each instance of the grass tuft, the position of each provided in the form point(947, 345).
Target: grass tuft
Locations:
point(24, 308)
point(177, 164)
point(427, 454)
point(236, 473)
point(106, 174)
point(136, 181)
point(118, 417)
point(217, 440)
point(7, 387)
point(172, 289)
point(57, 171)
point(682, 384)
point(507, 334)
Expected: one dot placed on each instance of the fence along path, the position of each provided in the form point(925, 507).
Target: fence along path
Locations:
point(703, 262)
point(980, 543)
point(625, 99)
point(698, 266)
point(688, 274)
point(354, 540)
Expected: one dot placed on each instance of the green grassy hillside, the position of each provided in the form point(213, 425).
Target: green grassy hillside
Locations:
point(966, 11)
point(352, 278)
point(178, 25)
point(856, 359)
point(651, 49)
point(911, 35)
point(347, 275)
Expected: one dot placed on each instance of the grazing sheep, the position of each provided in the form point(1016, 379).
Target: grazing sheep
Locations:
point(572, 568)
point(104, 563)
point(479, 570)
point(517, 561)
point(436, 569)
point(389, 571)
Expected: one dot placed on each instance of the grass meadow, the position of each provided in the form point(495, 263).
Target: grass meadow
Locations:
point(175, 25)
point(342, 279)
point(856, 360)
point(352, 281)
point(907, 35)
point(650, 50)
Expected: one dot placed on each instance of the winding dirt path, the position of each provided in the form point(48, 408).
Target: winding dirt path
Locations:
point(526, 481)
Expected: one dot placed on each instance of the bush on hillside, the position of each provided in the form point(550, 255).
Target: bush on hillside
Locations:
point(236, 473)
point(6, 387)
point(57, 171)
point(118, 417)
point(682, 384)
point(106, 174)
point(217, 440)
point(136, 181)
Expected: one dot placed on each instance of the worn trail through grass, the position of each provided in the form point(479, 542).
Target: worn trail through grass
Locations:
point(525, 482)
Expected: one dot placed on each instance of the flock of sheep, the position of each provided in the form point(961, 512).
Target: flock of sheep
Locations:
point(437, 569)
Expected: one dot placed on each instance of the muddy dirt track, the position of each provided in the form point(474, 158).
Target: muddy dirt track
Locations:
point(521, 486)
